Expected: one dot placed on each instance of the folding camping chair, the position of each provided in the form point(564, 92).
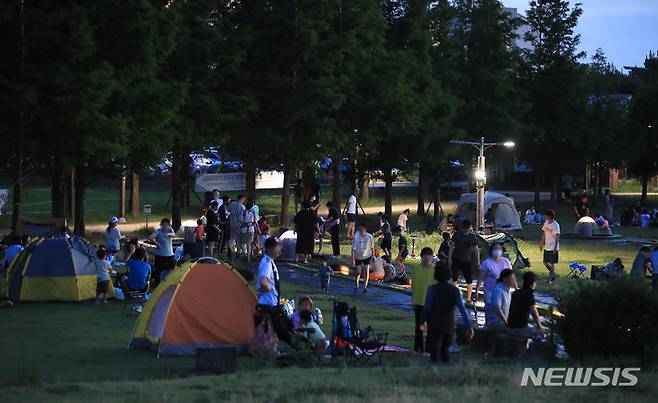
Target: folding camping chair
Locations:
point(357, 345)
point(133, 300)
point(577, 271)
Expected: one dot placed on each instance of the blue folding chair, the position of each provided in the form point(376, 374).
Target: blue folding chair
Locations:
point(577, 270)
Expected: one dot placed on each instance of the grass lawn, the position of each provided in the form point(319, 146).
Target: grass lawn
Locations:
point(66, 352)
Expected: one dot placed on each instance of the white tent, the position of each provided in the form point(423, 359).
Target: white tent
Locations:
point(507, 218)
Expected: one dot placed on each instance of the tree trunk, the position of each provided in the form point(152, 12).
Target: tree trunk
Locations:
point(388, 192)
point(134, 194)
point(645, 186)
point(338, 180)
point(176, 194)
point(554, 191)
point(122, 194)
point(365, 189)
point(308, 180)
point(250, 180)
point(420, 208)
point(186, 179)
point(80, 188)
point(17, 193)
point(58, 189)
point(285, 195)
point(70, 192)
point(537, 201)
point(437, 201)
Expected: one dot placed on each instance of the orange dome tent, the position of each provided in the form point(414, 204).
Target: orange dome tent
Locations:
point(198, 305)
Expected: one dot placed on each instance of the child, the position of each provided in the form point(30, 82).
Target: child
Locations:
point(103, 275)
point(403, 250)
point(325, 276)
point(264, 229)
point(200, 231)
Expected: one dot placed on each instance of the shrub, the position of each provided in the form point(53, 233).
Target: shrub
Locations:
point(610, 319)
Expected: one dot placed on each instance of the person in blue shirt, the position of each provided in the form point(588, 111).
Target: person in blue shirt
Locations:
point(438, 317)
point(16, 247)
point(139, 271)
point(267, 280)
point(164, 251)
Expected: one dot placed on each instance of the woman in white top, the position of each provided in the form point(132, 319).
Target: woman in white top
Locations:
point(248, 229)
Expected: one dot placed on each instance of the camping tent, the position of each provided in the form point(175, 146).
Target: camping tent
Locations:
point(54, 269)
point(507, 218)
point(512, 251)
point(197, 305)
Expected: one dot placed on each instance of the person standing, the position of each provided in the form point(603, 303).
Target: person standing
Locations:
point(362, 253)
point(113, 236)
point(403, 250)
point(268, 287)
point(581, 208)
point(333, 225)
point(351, 213)
point(491, 269)
point(465, 249)
point(102, 276)
point(212, 227)
point(224, 227)
point(439, 314)
point(235, 209)
point(550, 243)
point(248, 225)
point(164, 251)
point(609, 205)
point(423, 278)
point(306, 226)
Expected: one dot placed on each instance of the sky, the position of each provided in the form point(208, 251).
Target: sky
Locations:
point(625, 29)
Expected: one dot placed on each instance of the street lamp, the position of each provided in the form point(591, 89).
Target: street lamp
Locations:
point(481, 173)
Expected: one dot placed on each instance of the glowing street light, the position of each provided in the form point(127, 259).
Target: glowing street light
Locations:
point(481, 173)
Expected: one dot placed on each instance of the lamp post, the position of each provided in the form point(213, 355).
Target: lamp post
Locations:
point(481, 173)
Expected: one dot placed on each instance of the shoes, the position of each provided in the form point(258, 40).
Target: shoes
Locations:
point(366, 290)
point(454, 349)
point(356, 289)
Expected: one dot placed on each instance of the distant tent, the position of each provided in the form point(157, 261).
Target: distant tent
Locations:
point(54, 269)
point(506, 216)
point(197, 305)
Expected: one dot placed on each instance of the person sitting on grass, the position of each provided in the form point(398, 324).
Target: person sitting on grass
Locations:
point(497, 309)
point(642, 262)
point(438, 316)
point(102, 275)
point(362, 254)
point(490, 270)
point(614, 269)
point(403, 250)
point(304, 303)
point(522, 306)
point(311, 330)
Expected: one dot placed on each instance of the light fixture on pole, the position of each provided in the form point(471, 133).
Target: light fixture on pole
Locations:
point(481, 173)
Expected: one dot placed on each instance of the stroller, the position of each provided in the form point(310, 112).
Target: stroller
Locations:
point(356, 345)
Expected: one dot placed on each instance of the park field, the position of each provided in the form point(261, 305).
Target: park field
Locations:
point(76, 352)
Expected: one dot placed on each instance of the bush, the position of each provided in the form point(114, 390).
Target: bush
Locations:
point(608, 319)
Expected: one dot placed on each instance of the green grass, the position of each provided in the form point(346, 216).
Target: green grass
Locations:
point(68, 352)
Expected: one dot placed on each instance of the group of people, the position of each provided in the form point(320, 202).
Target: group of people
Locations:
point(435, 298)
point(638, 215)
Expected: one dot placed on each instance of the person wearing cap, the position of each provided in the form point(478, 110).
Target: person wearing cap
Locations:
point(112, 236)
point(490, 270)
point(602, 225)
point(267, 279)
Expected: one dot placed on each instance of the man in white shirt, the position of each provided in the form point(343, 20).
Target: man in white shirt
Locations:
point(550, 243)
point(362, 253)
point(267, 280)
point(351, 213)
point(234, 210)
